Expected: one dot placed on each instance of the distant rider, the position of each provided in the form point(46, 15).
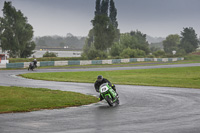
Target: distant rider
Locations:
point(35, 63)
point(31, 66)
point(100, 80)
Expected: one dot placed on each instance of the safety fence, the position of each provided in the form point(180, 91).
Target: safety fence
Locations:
point(88, 62)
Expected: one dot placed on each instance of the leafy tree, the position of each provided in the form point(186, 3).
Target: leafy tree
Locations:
point(116, 49)
point(88, 42)
point(98, 7)
point(1, 27)
point(189, 41)
point(156, 46)
point(104, 7)
point(113, 14)
point(134, 40)
point(113, 19)
point(104, 32)
point(41, 42)
point(62, 44)
point(16, 33)
point(171, 43)
point(58, 41)
point(72, 41)
point(141, 42)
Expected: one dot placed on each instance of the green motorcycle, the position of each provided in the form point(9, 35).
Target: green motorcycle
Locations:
point(109, 94)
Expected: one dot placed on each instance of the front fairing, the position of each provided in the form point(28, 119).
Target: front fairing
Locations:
point(105, 90)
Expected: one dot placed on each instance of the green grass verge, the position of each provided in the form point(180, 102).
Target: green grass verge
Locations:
point(186, 77)
point(20, 99)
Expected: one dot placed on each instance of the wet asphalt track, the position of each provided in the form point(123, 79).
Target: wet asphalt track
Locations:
point(142, 109)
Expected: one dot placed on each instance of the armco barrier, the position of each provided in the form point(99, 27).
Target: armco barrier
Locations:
point(133, 60)
point(87, 62)
point(148, 59)
point(96, 61)
point(115, 61)
point(165, 59)
point(170, 59)
point(159, 59)
point(141, 59)
point(2, 65)
point(125, 60)
point(47, 63)
point(74, 62)
point(106, 61)
point(26, 64)
point(180, 58)
point(61, 63)
point(15, 65)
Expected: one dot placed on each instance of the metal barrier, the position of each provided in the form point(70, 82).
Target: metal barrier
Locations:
point(87, 62)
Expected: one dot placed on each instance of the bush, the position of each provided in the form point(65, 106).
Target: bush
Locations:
point(96, 54)
point(50, 54)
point(140, 53)
point(192, 57)
point(159, 54)
point(180, 52)
point(151, 56)
point(115, 50)
point(128, 53)
point(132, 53)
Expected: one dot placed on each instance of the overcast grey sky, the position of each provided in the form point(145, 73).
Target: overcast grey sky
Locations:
point(157, 18)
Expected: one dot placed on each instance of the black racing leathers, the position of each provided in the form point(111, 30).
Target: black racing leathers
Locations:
point(35, 63)
point(97, 84)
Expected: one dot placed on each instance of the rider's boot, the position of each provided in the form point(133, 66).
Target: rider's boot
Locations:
point(100, 98)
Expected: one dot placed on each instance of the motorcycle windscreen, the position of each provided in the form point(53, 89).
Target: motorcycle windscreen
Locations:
point(104, 89)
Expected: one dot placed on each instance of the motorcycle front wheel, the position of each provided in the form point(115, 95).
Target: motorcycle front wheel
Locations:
point(109, 101)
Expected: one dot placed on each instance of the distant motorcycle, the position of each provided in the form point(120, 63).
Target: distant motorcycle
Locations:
point(31, 66)
point(109, 94)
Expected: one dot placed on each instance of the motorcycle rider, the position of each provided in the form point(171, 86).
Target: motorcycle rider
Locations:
point(100, 80)
point(35, 63)
point(31, 66)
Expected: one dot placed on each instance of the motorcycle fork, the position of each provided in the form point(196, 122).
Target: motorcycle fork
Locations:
point(108, 95)
point(113, 93)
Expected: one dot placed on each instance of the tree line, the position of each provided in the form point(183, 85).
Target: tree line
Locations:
point(16, 35)
point(15, 32)
point(184, 44)
point(70, 41)
point(103, 40)
point(104, 32)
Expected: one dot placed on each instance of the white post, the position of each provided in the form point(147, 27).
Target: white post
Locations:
point(173, 52)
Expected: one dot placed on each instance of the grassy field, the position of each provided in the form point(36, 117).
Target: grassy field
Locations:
point(186, 77)
point(20, 99)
